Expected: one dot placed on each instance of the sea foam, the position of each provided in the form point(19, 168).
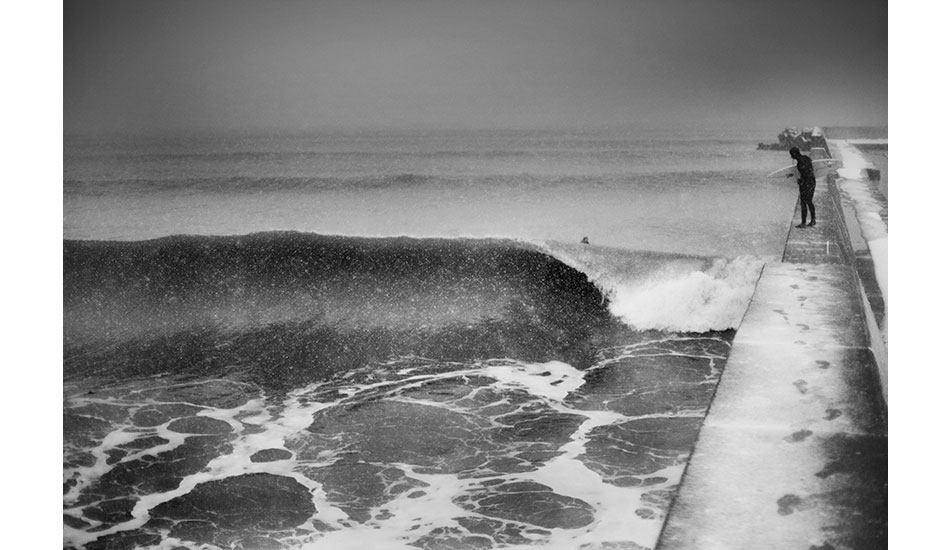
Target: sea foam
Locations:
point(652, 291)
point(711, 299)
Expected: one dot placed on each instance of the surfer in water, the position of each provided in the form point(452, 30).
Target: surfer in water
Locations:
point(806, 185)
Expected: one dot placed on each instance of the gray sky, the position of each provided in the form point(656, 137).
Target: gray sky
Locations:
point(175, 65)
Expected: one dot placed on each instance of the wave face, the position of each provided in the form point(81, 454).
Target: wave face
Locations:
point(284, 304)
point(295, 391)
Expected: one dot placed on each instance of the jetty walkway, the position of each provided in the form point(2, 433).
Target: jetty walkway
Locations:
point(793, 452)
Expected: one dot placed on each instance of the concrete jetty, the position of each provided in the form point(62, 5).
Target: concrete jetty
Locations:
point(793, 451)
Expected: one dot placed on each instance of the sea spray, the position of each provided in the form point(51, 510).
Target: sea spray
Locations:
point(712, 299)
point(677, 293)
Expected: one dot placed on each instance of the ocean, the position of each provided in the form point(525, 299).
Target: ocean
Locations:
point(412, 339)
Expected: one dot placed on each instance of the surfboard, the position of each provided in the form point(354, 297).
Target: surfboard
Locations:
point(792, 171)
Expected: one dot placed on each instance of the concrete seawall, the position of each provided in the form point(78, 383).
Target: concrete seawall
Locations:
point(873, 297)
point(793, 451)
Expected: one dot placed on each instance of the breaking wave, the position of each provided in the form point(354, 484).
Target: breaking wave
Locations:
point(677, 293)
point(289, 308)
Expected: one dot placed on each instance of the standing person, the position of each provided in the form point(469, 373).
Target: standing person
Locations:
point(806, 185)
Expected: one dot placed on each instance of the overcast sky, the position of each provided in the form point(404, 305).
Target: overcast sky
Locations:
point(311, 65)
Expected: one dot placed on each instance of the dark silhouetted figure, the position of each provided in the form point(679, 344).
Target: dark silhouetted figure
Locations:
point(806, 185)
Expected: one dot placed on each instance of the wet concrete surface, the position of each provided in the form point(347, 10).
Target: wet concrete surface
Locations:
point(793, 452)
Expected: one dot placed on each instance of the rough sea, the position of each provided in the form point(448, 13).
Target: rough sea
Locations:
point(398, 339)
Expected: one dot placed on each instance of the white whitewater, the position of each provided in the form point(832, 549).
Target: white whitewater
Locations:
point(667, 292)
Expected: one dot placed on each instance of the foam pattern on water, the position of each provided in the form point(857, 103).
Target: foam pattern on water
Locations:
point(412, 453)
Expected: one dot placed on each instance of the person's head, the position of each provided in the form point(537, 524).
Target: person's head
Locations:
point(795, 153)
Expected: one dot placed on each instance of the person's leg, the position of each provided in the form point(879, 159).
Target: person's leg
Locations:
point(804, 203)
point(807, 197)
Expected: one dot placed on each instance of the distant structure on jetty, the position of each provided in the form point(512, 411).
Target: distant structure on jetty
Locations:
point(805, 140)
